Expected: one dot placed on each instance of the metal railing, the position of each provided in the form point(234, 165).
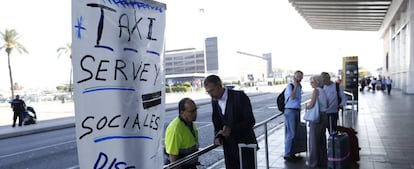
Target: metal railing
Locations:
point(352, 101)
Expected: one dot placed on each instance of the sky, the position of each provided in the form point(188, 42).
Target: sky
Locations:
point(43, 26)
point(257, 27)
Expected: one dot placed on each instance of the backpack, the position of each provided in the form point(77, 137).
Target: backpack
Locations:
point(281, 100)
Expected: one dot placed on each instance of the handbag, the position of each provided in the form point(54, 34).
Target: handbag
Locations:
point(313, 115)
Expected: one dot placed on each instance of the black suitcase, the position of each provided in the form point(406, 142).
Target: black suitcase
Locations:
point(338, 150)
point(300, 143)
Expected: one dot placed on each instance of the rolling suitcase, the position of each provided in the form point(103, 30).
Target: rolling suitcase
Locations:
point(338, 150)
point(300, 142)
point(353, 142)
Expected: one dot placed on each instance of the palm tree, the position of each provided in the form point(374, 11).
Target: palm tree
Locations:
point(67, 49)
point(10, 42)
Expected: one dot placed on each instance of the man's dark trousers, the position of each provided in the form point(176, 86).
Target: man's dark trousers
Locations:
point(15, 115)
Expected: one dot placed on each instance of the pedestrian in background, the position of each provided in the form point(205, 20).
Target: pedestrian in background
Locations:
point(337, 100)
point(181, 136)
point(293, 98)
point(383, 83)
point(374, 84)
point(388, 82)
point(362, 82)
point(233, 122)
point(368, 83)
point(18, 106)
point(317, 130)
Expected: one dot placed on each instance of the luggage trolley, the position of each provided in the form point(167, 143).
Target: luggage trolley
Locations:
point(349, 112)
point(244, 149)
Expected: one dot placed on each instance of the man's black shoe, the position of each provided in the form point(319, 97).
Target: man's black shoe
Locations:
point(296, 157)
point(292, 158)
point(288, 158)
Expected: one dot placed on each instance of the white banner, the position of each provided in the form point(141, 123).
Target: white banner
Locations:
point(119, 86)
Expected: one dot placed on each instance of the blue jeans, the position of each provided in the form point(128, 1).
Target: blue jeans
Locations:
point(292, 119)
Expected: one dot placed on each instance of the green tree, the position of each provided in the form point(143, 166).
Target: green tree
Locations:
point(67, 49)
point(9, 38)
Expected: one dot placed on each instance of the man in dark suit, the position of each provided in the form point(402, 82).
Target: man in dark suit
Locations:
point(233, 122)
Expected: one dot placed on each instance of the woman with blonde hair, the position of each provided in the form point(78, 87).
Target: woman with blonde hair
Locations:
point(317, 138)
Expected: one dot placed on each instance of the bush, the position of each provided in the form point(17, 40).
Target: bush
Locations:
point(176, 88)
point(187, 84)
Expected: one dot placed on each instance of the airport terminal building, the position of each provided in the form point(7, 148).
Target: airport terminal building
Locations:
point(397, 33)
point(218, 57)
point(393, 19)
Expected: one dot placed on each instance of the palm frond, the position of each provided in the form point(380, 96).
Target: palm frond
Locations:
point(10, 38)
point(65, 49)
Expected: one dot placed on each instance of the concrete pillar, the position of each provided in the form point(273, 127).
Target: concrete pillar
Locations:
point(409, 87)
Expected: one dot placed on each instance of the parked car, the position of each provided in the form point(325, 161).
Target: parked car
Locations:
point(3, 99)
point(233, 87)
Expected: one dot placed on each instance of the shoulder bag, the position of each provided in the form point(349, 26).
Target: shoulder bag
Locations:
point(313, 115)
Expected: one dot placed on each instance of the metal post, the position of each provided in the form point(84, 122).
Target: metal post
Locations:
point(266, 147)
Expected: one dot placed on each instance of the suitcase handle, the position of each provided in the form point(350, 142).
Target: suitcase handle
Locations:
point(333, 131)
point(333, 140)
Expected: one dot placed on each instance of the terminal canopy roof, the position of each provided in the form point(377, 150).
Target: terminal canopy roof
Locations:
point(352, 15)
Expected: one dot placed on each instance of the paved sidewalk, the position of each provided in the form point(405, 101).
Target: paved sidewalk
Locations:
point(384, 124)
point(52, 115)
point(49, 110)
